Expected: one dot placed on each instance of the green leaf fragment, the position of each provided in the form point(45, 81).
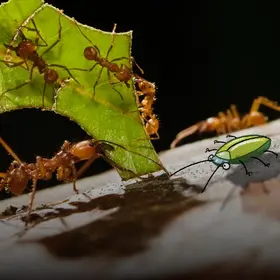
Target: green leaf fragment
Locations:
point(107, 116)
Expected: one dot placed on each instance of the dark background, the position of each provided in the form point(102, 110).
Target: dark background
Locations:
point(202, 55)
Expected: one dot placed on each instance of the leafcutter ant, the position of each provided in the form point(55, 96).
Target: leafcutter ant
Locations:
point(27, 51)
point(148, 90)
point(63, 163)
point(229, 121)
point(122, 73)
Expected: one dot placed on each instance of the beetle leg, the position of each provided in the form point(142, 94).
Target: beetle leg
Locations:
point(230, 136)
point(247, 172)
point(268, 151)
point(265, 164)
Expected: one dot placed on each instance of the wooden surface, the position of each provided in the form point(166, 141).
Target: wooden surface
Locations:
point(156, 228)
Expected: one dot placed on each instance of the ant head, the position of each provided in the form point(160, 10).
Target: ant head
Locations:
point(90, 53)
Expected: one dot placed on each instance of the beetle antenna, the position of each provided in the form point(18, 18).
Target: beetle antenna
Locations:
point(188, 166)
point(211, 177)
point(230, 136)
point(229, 195)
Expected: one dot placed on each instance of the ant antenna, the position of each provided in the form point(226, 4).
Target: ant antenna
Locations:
point(9, 150)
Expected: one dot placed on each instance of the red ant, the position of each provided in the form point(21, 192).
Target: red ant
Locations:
point(229, 121)
point(148, 90)
point(63, 163)
point(27, 51)
point(122, 73)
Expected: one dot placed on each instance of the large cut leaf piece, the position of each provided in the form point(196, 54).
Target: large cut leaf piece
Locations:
point(106, 116)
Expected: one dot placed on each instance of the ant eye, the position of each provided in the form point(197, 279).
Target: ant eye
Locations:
point(210, 157)
point(226, 166)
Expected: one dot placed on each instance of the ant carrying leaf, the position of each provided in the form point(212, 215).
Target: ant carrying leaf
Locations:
point(19, 174)
point(27, 51)
point(122, 73)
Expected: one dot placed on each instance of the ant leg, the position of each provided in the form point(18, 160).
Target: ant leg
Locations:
point(74, 171)
point(59, 36)
point(9, 150)
point(87, 70)
point(34, 187)
point(112, 83)
point(12, 64)
point(247, 173)
point(261, 100)
point(157, 137)
point(84, 35)
point(106, 58)
point(40, 167)
point(265, 164)
point(112, 42)
point(97, 80)
point(85, 166)
point(119, 58)
point(66, 69)
point(268, 151)
point(21, 85)
point(234, 111)
point(38, 34)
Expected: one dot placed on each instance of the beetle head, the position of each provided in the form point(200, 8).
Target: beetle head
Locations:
point(219, 162)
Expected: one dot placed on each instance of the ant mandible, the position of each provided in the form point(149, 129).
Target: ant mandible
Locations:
point(122, 73)
point(229, 121)
point(27, 51)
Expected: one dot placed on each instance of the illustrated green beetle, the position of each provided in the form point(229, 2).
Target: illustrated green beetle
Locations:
point(239, 150)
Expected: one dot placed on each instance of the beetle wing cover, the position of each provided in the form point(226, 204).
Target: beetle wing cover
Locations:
point(253, 145)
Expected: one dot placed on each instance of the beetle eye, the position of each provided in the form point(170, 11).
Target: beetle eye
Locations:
point(210, 157)
point(226, 166)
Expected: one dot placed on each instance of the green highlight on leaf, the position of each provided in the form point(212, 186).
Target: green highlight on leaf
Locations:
point(107, 116)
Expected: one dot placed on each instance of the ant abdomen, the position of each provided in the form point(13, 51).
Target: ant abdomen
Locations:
point(90, 53)
point(50, 76)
